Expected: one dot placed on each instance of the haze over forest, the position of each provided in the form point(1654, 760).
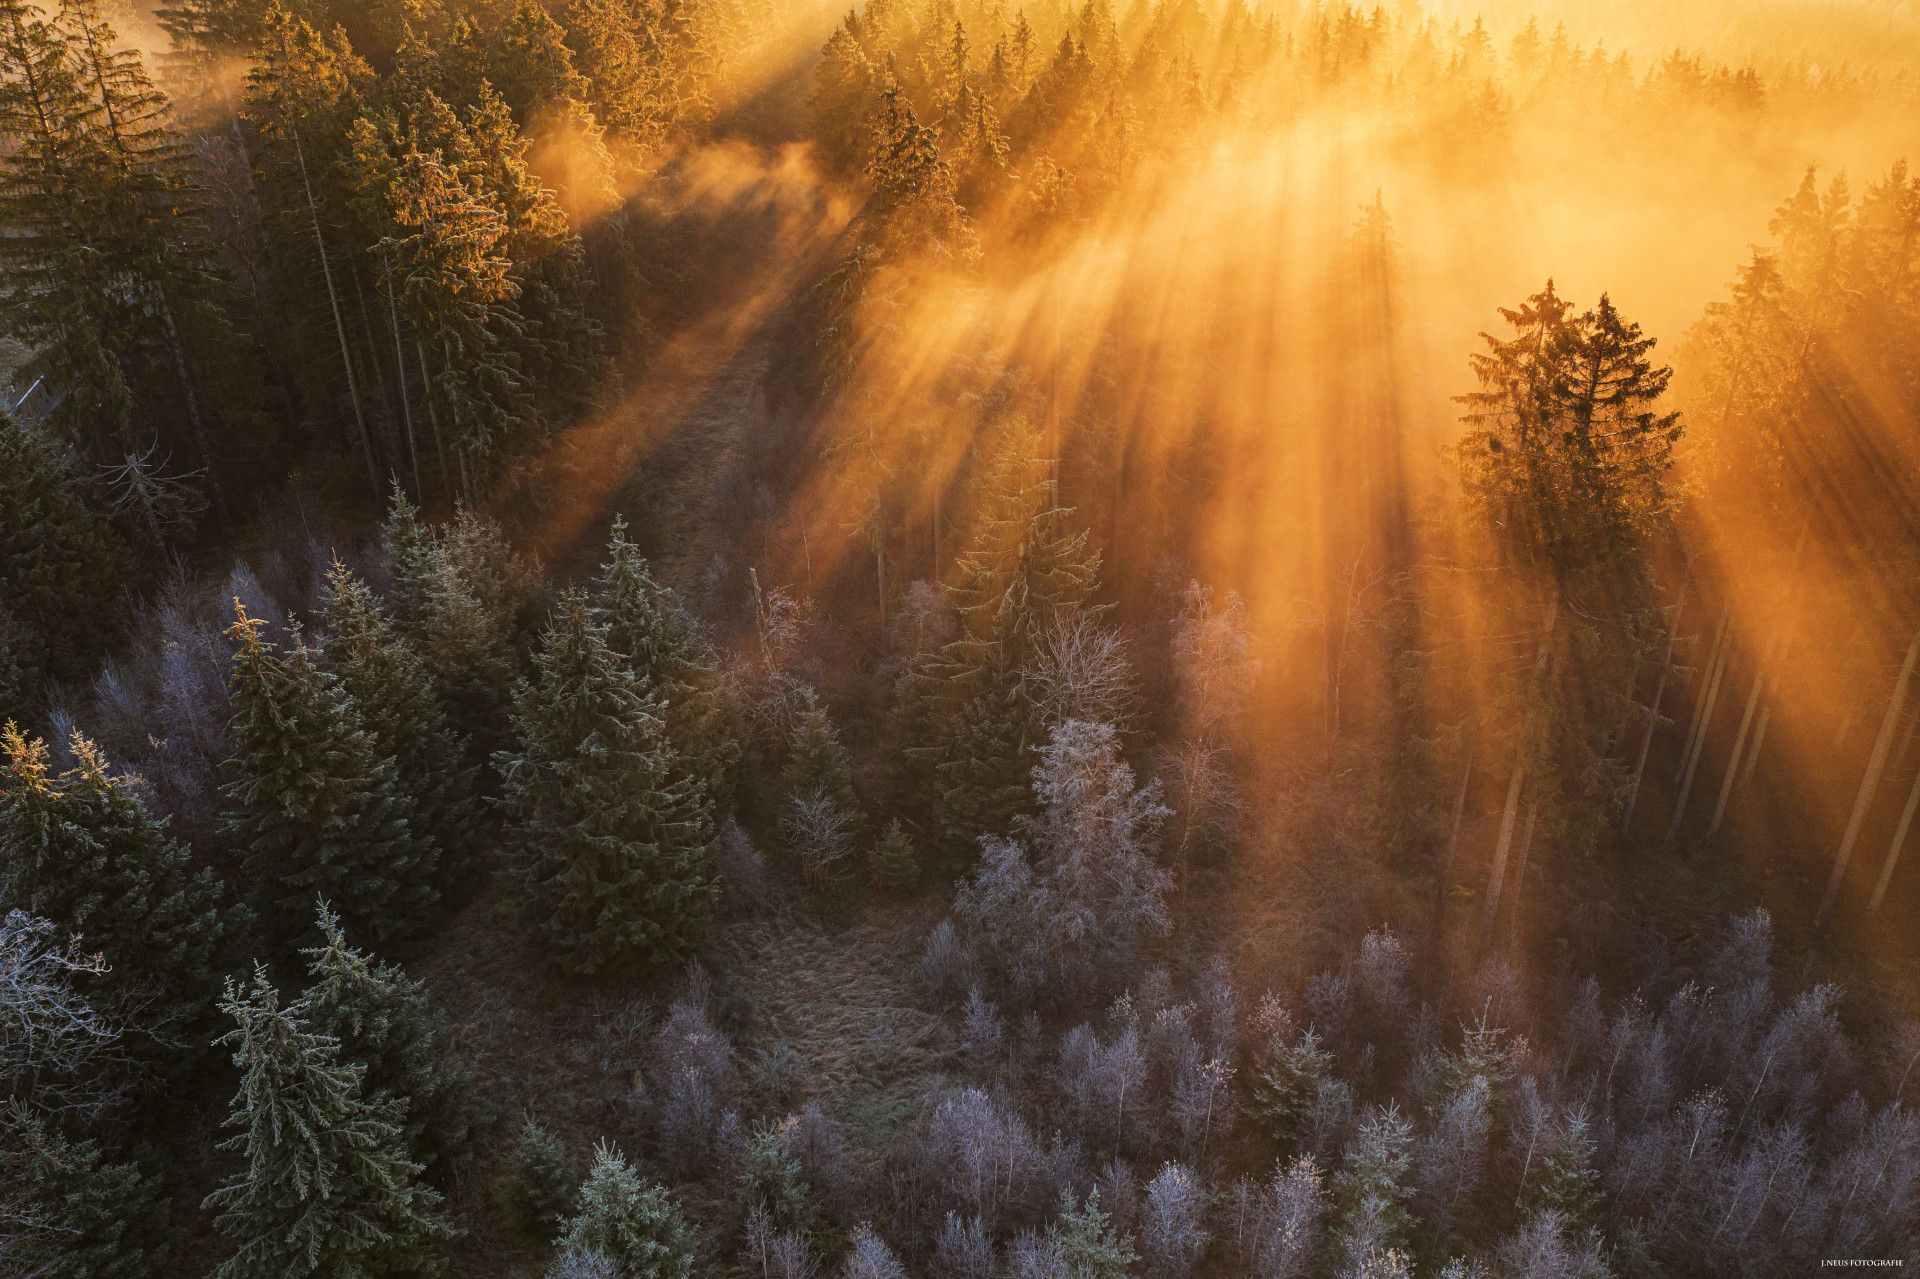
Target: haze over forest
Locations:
point(967, 639)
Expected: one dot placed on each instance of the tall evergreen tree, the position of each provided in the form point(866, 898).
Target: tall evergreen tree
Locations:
point(315, 806)
point(83, 850)
point(1026, 570)
point(610, 844)
point(383, 1020)
point(327, 1188)
point(387, 680)
point(85, 1218)
point(649, 630)
point(635, 1226)
point(60, 564)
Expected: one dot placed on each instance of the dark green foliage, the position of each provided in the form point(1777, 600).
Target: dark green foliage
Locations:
point(454, 591)
point(816, 762)
point(1084, 1243)
point(83, 1217)
point(1568, 456)
point(326, 1188)
point(315, 807)
point(391, 687)
point(1027, 569)
point(1282, 1088)
point(894, 862)
point(1566, 1180)
point(543, 1182)
point(649, 630)
point(60, 566)
point(106, 273)
point(82, 849)
point(635, 1225)
point(610, 845)
point(769, 1184)
point(384, 1021)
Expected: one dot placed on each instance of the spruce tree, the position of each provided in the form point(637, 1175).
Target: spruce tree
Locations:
point(315, 806)
point(86, 1218)
point(60, 565)
point(649, 630)
point(1026, 570)
point(384, 1021)
point(636, 1226)
point(83, 850)
point(543, 1182)
point(895, 865)
point(609, 844)
point(453, 595)
point(327, 1188)
point(816, 763)
point(389, 683)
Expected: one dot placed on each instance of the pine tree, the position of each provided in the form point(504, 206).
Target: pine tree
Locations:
point(636, 1226)
point(94, 1219)
point(83, 850)
point(160, 241)
point(327, 1188)
point(816, 762)
point(58, 295)
point(315, 806)
point(383, 1020)
point(649, 630)
point(454, 591)
point(611, 849)
point(1567, 456)
point(544, 1182)
point(895, 865)
point(389, 684)
point(1026, 570)
point(59, 567)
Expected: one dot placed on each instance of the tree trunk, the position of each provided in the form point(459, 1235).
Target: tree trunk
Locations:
point(1490, 910)
point(1869, 782)
point(339, 324)
point(406, 404)
point(433, 418)
point(1700, 698)
point(195, 419)
point(1893, 849)
point(1653, 721)
point(1691, 766)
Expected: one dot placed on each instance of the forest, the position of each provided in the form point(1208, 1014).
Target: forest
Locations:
point(959, 639)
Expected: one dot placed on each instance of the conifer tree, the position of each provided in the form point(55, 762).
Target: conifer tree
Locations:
point(816, 762)
point(636, 1226)
point(83, 850)
point(609, 843)
point(1027, 569)
point(895, 865)
point(315, 806)
point(326, 1188)
point(59, 566)
point(649, 630)
point(159, 236)
point(385, 1022)
point(454, 590)
point(389, 684)
point(543, 1183)
point(87, 1218)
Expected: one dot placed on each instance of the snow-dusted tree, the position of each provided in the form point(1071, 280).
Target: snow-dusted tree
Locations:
point(633, 1224)
point(327, 1188)
point(1277, 1224)
point(80, 847)
point(693, 1079)
point(964, 1249)
point(1173, 1222)
point(981, 1157)
point(1372, 1189)
point(1547, 1246)
point(1074, 915)
point(818, 833)
point(870, 1258)
point(1081, 672)
point(56, 1047)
